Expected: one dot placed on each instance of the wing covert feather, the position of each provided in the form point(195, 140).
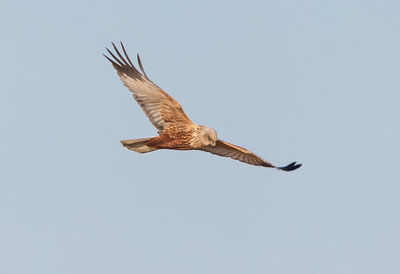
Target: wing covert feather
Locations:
point(226, 149)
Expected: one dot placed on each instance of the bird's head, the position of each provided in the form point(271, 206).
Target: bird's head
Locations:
point(209, 136)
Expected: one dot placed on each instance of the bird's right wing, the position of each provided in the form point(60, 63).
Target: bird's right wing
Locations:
point(226, 149)
point(160, 108)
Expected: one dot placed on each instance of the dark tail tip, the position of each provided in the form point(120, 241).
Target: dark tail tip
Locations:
point(290, 167)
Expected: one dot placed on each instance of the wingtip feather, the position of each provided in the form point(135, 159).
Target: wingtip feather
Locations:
point(141, 66)
point(290, 167)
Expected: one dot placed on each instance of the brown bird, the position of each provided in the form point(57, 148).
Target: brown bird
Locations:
point(175, 129)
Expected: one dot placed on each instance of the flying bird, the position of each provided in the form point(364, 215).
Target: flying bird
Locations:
point(176, 131)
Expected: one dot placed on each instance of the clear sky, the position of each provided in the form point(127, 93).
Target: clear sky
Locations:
point(310, 81)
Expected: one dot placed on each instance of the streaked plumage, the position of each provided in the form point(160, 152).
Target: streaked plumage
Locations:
point(175, 129)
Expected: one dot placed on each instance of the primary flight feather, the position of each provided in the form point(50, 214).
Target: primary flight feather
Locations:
point(176, 131)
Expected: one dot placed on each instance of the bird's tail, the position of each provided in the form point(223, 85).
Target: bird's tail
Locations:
point(138, 145)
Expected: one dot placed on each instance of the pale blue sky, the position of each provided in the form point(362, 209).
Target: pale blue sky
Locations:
point(309, 81)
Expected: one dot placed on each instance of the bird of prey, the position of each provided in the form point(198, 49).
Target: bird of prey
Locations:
point(176, 131)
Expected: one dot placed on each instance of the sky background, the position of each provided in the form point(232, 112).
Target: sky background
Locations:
point(310, 81)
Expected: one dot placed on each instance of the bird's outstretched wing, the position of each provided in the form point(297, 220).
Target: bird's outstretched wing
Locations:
point(226, 149)
point(160, 108)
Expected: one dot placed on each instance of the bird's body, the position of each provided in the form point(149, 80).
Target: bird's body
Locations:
point(178, 137)
point(176, 131)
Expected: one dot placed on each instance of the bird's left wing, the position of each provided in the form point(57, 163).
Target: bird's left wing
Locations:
point(226, 149)
point(160, 108)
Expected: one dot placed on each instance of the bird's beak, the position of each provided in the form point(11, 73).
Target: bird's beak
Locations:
point(213, 144)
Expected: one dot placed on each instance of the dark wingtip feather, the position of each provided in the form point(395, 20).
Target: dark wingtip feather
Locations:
point(109, 59)
point(125, 63)
point(290, 167)
point(126, 55)
point(113, 56)
point(141, 66)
